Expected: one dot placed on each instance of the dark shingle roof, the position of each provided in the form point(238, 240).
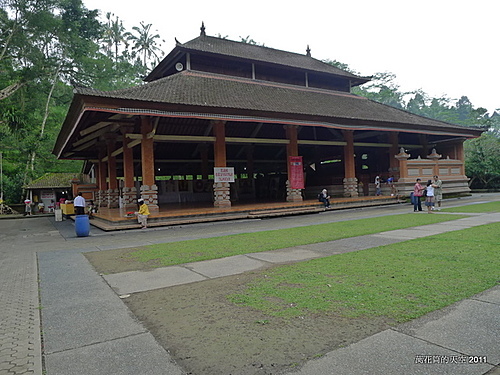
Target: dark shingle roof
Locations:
point(264, 54)
point(265, 98)
point(255, 53)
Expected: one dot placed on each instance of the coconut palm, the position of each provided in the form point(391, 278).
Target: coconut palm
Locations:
point(114, 35)
point(145, 43)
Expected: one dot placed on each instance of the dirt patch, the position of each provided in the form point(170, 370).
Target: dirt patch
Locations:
point(206, 334)
point(116, 261)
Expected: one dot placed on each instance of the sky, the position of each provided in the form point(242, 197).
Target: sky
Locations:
point(443, 47)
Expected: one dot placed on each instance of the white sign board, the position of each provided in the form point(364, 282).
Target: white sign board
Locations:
point(225, 174)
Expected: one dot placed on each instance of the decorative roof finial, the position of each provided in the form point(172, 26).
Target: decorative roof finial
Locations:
point(308, 51)
point(202, 28)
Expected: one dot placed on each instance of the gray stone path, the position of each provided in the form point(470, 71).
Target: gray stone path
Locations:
point(20, 346)
point(73, 348)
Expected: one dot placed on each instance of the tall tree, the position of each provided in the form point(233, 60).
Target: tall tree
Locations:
point(146, 44)
point(114, 36)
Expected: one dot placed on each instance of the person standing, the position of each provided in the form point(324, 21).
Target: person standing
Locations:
point(27, 207)
point(79, 204)
point(417, 194)
point(378, 187)
point(429, 199)
point(438, 192)
point(142, 215)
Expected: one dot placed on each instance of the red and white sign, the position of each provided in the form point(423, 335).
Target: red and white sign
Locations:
point(296, 172)
point(224, 174)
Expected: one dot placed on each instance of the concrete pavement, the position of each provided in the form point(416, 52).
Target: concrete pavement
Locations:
point(72, 295)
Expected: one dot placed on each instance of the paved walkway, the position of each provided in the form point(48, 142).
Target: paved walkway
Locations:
point(72, 295)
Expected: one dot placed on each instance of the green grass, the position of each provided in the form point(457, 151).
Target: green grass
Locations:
point(476, 208)
point(166, 254)
point(401, 281)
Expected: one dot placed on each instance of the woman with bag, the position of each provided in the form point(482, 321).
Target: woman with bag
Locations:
point(417, 193)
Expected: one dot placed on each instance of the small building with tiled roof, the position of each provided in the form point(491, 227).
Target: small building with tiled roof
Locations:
point(219, 120)
point(51, 187)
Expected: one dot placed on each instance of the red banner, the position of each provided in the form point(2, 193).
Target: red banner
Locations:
point(296, 172)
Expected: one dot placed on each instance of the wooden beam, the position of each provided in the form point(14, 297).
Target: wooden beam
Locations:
point(96, 134)
point(94, 128)
point(86, 145)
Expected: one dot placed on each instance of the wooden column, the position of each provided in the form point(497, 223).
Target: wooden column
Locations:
point(102, 173)
point(460, 155)
point(393, 151)
point(112, 192)
point(149, 190)
point(129, 190)
point(250, 161)
point(222, 196)
point(204, 161)
point(350, 180)
point(292, 149)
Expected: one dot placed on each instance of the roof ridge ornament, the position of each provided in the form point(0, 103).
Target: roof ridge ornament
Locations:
point(308, 51)
point(202, 29)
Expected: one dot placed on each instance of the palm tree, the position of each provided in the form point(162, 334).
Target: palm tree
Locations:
point(145, 43)
point(114, 35)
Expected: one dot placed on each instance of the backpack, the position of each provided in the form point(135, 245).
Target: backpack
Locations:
point(320, 197)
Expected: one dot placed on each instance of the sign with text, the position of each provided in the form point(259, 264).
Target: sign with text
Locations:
point(296, 172)
point(224, 174)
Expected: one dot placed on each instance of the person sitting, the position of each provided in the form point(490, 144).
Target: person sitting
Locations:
point(142, 215)
point(325, 198)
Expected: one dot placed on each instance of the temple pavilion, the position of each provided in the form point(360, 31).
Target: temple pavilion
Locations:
point(218, 122)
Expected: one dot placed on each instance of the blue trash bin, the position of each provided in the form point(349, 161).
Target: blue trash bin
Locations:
point(82, 225)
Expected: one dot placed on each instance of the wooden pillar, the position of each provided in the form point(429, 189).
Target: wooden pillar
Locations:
point(350, 180)
point(222, 190)
point(460, 155)
point(204, 161)
point(112, 192)
point(292, 149)
point(424, 141)
point(149, 190)
point(393, 151)
point(129, 190)
point(102, 173)
point(250, 161)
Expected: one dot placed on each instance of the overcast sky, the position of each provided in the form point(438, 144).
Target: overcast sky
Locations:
point(444, 47)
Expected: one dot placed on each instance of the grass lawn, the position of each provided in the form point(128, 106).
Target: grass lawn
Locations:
point(401, 281)
point(476, 208)
point(166, 254)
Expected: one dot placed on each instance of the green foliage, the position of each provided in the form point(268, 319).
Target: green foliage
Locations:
point(482, 161)
point(46, 47)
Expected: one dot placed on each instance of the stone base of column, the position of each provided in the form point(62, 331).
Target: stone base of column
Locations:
point(293, 195)
point(351, 187)
point(150, 196)
point(129, 197)
point(113, 198)
point(222, 196)
point(102, 198)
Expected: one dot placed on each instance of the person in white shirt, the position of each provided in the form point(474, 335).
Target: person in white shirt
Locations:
point(429, 199)
point(79, 204)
